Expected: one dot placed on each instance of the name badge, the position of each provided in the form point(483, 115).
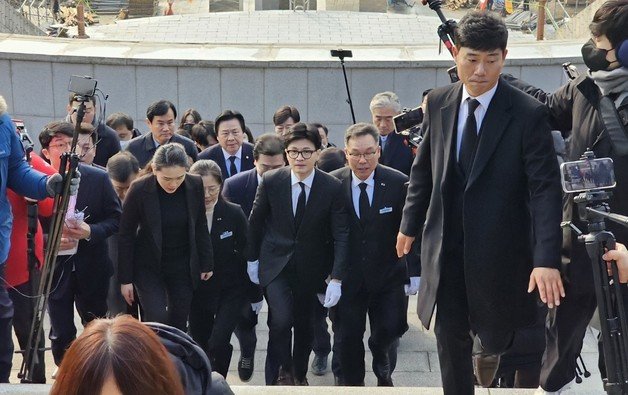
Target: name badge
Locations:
point(226, 234)
point(385, 210)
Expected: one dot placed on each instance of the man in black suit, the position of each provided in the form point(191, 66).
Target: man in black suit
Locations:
point(298, 238)
point(240, 189)
point(396, 152)
point(232, 153)
point(485, 195)
point(160, 118)
point(107, 139)
point(84, 266)
point(374, 283)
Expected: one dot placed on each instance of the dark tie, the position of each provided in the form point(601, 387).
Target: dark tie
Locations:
point(232, 168)
point(469, 139)
point(298, 215)
point(364, 202)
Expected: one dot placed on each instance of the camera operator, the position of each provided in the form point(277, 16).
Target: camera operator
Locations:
point(15, 173)
point(573, 111)
point(620, 255)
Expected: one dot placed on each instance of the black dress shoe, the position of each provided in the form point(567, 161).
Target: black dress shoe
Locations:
point(245, 368)
point(387, 382)
point(338, 381)
point(285, 377)
point(302, 382)
point(319, 365)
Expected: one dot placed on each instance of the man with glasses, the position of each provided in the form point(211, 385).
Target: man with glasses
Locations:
point(240, 189)
point(161, 120)
point(232, 153)
point(298, 238)
point(375, 195)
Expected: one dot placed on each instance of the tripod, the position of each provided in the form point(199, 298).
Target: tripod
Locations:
point(446, 32)
point(69, 163)
point(342, 54)
point(612, 310)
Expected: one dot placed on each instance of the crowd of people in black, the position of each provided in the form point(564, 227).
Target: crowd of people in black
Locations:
point(195, 223)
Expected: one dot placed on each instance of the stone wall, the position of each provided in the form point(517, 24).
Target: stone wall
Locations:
point(12, 22)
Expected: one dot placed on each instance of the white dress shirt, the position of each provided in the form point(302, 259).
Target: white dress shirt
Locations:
point(355, 190)
point(296, 189)
point(238, 160)
point(463, 111)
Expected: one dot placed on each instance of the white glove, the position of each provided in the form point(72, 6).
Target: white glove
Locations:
point(54, 184)
point(321, 298)
point(252, 268)
point(257, 307)
point(333, 293)
point(413, 287)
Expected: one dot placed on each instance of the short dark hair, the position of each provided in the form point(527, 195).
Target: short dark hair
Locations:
point(284, 112)
point(184, 133)
point(611, 19)
point(300, 131)
point(52, 129)
point(482, 31)
point(361, 129)
point(201, 131)
point(249, 135)
point(160, 107)
point(268, 144)
point(321, 126)
point(72, 97)
point(122, 165)
point(89, 129)
point(118, 119)
point(228, 115)
point(331, 159)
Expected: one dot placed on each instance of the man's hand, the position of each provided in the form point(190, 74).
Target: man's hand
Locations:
point(404, 243)
point(333, 293)
point(257, 306)
point(54, 184)
point(206, 276)
point(619, 255)
point(127, 293)
point(413, 287)
point(67, 243)
point(252, 268)
point(549, 283)
point(82, 231)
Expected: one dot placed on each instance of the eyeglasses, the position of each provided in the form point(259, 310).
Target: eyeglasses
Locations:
point(61, 146)
point(366, 155)
point(212, 190)
point(305, 154)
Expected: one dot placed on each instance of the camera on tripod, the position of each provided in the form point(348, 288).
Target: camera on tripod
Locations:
point(587, 175)
point(82, 85)
point(408, 124)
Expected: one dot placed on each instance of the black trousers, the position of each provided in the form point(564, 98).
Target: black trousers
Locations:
point(245, 331)
point(321, 345)
point(91, 303)
point(386, 311)
point(165, 297)
point(290, 306)
point(213, 318)
point(22, 322)
point(6, 339)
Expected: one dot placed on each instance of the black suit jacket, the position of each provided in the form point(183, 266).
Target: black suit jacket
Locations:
point(143, 147)
point(512, 205)
point(240, 189)
point(98, 200)
point(215, 153)
point(319, 248)
point(373, 257)
point(397, 154)
point(139, 244)
point(108, 144)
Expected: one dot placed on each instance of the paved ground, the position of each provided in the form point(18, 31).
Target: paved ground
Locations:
point(417, 363)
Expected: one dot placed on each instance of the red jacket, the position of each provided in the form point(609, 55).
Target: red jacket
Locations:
point(16, 268)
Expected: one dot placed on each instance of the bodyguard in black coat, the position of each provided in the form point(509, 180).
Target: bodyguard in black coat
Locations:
point(375, 280)
point(143, 147)
point(241, 189)
point(487, 212)
point(217, 154)
point(298, 236)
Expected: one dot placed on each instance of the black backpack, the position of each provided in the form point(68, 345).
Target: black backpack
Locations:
point(191, 362)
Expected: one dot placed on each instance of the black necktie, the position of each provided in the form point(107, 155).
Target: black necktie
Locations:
point(298, 215)
point(469, 139)
point(364, 202)
point(232, 169)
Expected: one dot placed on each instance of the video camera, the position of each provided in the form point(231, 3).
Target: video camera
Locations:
point(25, 139)
point(82, 85)
point(408, 124)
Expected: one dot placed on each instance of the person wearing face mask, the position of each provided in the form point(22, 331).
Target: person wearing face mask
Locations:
point(573, 111)
point(218, 303)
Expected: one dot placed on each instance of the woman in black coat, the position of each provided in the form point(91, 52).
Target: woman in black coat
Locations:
point(164, 248)
point(217, 304)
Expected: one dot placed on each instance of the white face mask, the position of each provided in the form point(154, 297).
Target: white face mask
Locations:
point(123, 144)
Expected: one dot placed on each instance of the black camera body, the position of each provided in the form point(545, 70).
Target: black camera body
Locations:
point(408, 124)
point(82, 85)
